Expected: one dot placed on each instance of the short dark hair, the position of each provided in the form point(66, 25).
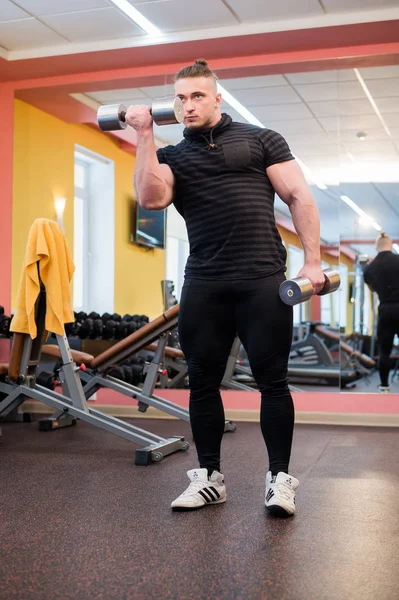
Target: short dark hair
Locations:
point(198, 69)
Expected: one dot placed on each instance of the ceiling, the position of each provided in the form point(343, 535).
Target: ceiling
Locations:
point(320, 115)
point(32, 24)
point(319, 110)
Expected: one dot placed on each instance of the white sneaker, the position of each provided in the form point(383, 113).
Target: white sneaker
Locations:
point(384, 389)
point(201, 491)
point(280, 494)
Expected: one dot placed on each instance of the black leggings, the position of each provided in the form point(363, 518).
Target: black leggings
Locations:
point(211, 314)
point(388, 326)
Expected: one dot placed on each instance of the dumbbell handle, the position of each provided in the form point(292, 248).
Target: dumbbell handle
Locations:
point(294, 291)
point(122, 115)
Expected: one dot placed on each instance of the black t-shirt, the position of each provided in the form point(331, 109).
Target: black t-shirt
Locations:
point(383, 276)
point(227, 200)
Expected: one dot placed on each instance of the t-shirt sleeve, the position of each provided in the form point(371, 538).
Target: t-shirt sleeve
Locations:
point(367, 275)
point(275, 148)
point(161, 155)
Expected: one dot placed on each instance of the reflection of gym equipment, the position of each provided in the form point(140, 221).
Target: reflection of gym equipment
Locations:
point(310, 360)
point(239, 377)
point(71, 405)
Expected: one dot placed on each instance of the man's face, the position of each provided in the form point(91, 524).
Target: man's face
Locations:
point(200, 100)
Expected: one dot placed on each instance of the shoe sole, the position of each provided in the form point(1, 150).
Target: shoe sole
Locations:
point(279, 511)
point(189, 508)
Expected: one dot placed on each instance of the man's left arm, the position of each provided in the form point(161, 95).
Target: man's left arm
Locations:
point(289, 183)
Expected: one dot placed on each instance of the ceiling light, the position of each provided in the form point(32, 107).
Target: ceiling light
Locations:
point(372, 101)
point(361, 135)
point(366, 221)
point(136, 16)
point(248, 116)
point(353, 206)
point(364, 218)
point(240, 108)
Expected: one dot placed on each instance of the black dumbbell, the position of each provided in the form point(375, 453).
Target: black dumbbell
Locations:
point(98, 326)
point(86, 328)
point(46, 379)
point(295, 291)
point(121, 330)
point(94, 316)
point(109, 330)
point(128, 371)
point(106, 317)
point(80, 316)
point(116, 317)
point(5, 323)
point(117, 372)
point(164, 111)
point(127, 318)
point(132, 327)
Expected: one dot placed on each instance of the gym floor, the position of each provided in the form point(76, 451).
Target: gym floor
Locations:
point(79, 521)
point(370, 384)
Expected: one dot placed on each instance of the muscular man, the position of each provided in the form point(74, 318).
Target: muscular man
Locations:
point(222, 179)
point(382, 277)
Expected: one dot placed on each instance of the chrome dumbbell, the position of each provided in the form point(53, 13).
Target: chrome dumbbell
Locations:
point(295, 291)
point(164, 111)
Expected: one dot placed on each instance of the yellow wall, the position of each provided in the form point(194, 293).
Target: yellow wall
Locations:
point(44, 168)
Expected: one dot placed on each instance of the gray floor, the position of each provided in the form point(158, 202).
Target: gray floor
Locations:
point(79, 521)
point(370, 385)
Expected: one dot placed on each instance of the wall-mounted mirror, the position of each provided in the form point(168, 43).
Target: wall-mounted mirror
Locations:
point(369, 229)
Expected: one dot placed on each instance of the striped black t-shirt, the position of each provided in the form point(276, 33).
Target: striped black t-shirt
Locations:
point(227, 200)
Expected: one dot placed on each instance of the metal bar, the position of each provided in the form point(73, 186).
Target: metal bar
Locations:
point(127, 389)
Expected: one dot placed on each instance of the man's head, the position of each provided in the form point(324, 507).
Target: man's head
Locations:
point(196, 86)
point(383, 242)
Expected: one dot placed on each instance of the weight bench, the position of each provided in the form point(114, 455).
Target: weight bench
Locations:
point(20, 384)
point(153, 336)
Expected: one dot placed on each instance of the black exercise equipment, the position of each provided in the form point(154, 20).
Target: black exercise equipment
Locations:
point(97, 329)
point(121, 330)
point(109, 329)
point(164, 111)
point(94, 316)
point(46, 379)
point(86, 328)
point(294, 291)
point(5, 323)
point(21, 383)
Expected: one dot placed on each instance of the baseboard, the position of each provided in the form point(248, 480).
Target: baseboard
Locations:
point(250, 416)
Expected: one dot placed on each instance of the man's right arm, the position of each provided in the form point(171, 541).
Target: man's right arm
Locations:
point(153, 182)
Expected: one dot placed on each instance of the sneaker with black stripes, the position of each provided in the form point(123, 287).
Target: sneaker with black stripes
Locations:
point(280, 494)
point(203, 490)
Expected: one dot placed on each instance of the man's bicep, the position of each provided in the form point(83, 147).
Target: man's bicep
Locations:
point(169, 178)
point(287, 177)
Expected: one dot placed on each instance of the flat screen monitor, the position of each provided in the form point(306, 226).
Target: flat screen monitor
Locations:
point(150, 227)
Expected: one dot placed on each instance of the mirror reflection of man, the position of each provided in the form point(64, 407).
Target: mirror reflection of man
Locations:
point(382, 277)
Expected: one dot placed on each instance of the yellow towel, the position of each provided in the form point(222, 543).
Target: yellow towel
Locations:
point(48, 247)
